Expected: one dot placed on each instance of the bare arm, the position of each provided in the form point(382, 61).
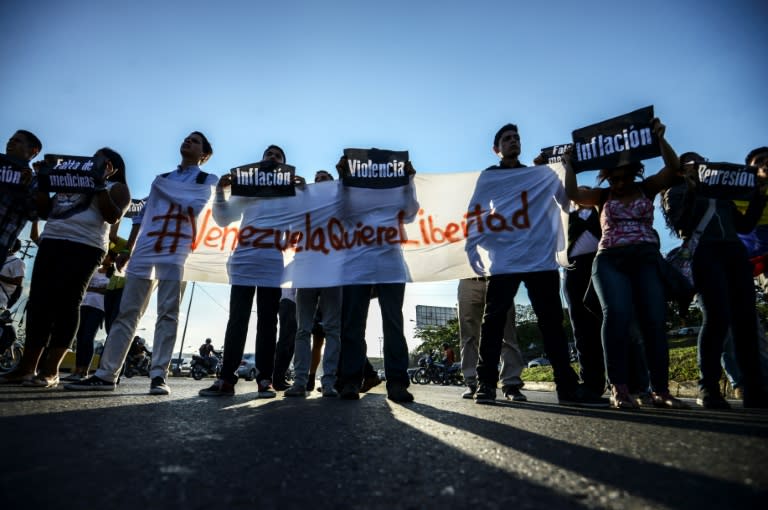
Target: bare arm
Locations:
point(113, 202)
point(665, 177)
point(587, 197)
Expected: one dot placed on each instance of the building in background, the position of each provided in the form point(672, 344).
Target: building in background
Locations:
point(434, 315)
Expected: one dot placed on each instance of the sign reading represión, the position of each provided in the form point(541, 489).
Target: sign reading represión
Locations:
point(724, 180)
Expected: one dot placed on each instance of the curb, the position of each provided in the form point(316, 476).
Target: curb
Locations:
point(686, 389)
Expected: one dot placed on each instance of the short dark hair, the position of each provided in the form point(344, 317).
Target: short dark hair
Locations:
point(117, 163)
point(753, 153)
point(277, 149)
point(32, 140)
point(690, 155)
point(207, 149)
point(505, 127)
point(326, 172)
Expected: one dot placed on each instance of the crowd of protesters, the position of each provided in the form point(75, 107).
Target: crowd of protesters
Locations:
point(613, 251)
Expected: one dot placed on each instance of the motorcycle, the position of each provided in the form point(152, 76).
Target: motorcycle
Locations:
point(138, 365)
point(430, 371)
point(201, 367)
point(11, 347)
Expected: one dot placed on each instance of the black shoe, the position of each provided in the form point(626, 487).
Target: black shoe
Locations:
point(712, 399)
point(469, 393)
point(399, 393)
point(349, 392)
point(281, 385)
point(158, 386)
point(93, 383)
point(581, 396)
point(514, 394)
point(485, 394)
point(220, 388)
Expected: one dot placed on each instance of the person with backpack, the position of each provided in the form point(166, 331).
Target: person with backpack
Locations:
point(722, 278)
point(162, 244)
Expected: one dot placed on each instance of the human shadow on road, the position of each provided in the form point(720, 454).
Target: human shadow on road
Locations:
point(655, 481)
point(240, 452)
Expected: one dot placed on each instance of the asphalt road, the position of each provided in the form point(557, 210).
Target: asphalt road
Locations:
point(129, 450)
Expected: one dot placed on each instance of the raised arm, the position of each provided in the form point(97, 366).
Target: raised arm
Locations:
point(668, 175)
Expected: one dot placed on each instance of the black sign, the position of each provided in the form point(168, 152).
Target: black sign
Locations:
point(263, 179)
point(71, 174)
point(555, 153)
point(12, 173)
point(135, 207)
point(615, 142)
point(375, 168)
point(723, 180)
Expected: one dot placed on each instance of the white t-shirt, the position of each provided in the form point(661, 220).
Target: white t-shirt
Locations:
point(95, 299)
point(13, 267)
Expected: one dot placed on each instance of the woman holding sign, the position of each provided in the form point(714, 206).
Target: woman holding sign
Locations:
point(626, 269)
point(72, 246)
point(722, 277)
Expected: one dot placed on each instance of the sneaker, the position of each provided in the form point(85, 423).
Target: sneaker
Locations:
point(665, 399)
point(349, 391)
point(220, 388)
point(73, 377)
point(399, 393)
point(265, 389)
point(296, 391)
point(469, 393)
point(281, 385)
point(712, 399)
point(330, 392)
point(485, 394)
point(514, 394)
point(581, 396)
point(158, 386)
point(92, 383)
point(369, 382)
point(41, 381)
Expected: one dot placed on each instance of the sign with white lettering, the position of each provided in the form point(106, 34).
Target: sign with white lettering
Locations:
point(135, 207)
point(555, 153)
point(71, 174)
point(11, 173)
point(724, 180)
point(375, 168)
point(615, 142)
point(263, 179)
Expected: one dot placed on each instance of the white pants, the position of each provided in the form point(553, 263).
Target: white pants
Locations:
point(133, 304)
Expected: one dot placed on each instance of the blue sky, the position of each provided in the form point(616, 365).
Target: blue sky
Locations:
point(435, 78)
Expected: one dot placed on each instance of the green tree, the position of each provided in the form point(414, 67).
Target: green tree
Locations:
point(433, 337)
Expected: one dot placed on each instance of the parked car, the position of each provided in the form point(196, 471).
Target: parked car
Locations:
point(247, 368)
point(690, 331)
point(182, 369)
point(538, 362)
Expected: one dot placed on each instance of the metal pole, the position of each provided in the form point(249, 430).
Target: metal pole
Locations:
point(186, 321)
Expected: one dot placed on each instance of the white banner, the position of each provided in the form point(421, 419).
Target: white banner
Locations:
point(441, 227)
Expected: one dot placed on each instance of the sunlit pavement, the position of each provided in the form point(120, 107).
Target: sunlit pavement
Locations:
point(127, 449)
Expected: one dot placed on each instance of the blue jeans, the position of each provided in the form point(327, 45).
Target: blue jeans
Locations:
point(627, 281)
point(90, 320)
point(723, 279)
point(328, 299)
point(355, 302)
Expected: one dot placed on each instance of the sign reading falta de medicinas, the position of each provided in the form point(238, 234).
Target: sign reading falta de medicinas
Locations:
point(375, 168)
point(11, 173)
point(555, 153)
point(614, 142)
point(70, 174)
point(728, 181)
point(263, 179)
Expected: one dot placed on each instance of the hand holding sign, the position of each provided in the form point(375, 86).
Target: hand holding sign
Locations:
point(374, 168)
point(71, 174)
